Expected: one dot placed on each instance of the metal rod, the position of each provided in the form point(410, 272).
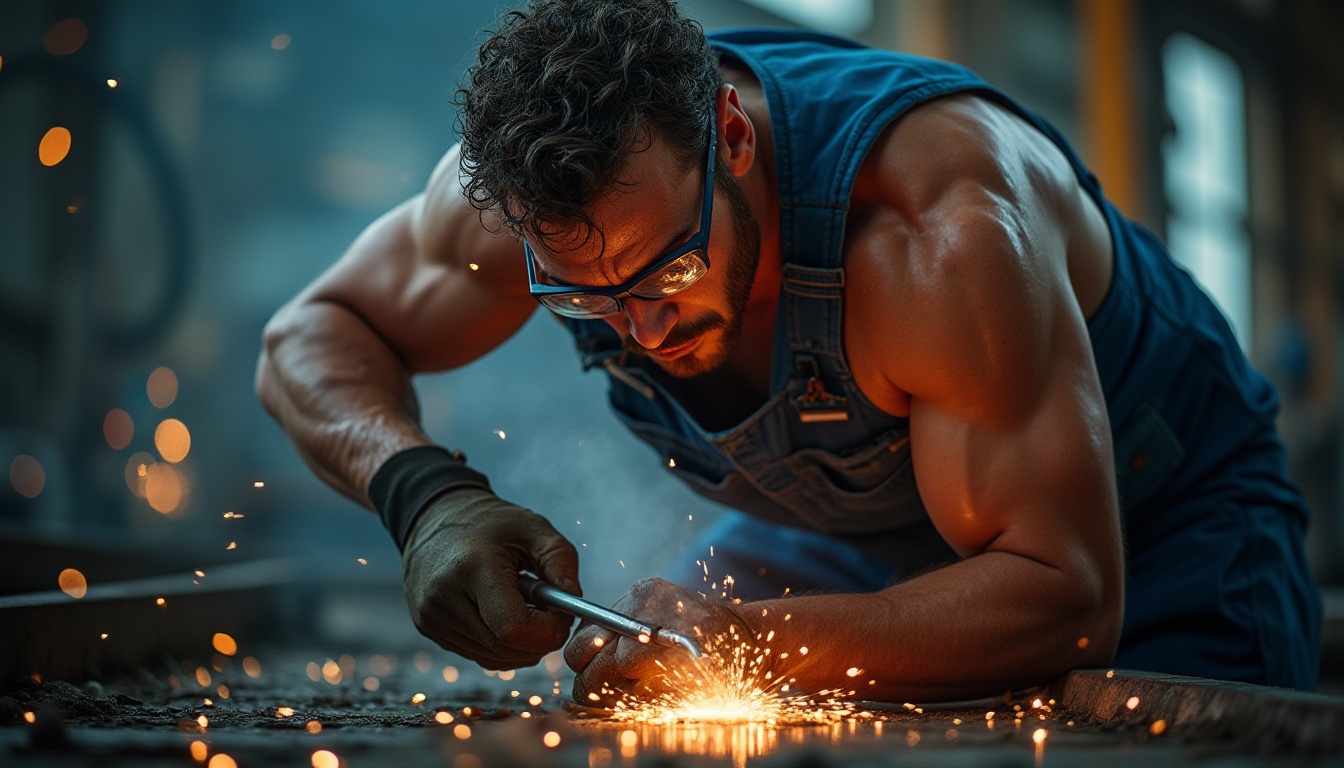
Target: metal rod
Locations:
point(539, 593)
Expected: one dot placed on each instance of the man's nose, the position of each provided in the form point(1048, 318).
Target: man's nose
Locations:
point(647, 320)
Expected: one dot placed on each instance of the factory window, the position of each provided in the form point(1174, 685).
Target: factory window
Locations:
point(1204, 173)
point(843, 17)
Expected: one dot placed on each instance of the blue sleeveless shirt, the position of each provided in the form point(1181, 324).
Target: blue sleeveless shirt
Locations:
point(1181, 396)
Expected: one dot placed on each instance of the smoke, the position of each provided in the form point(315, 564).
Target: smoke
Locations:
point(542, 430)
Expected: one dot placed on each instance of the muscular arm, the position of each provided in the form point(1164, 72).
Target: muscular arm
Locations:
point(1009, 432)
point(337, 360)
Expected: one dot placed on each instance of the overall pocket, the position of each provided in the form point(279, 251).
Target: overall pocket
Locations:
point(1147, 454)
point(872, 489)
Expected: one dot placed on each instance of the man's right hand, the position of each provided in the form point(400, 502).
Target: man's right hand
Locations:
point(460, 569)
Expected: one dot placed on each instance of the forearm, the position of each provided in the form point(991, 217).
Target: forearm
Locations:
point(976, 628)
point(339, 392)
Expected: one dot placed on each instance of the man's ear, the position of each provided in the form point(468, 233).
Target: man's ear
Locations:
point(737, 134)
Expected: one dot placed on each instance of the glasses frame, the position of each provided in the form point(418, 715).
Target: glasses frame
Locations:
point(546, 293)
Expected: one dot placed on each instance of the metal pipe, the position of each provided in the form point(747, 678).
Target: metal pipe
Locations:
point(539, 593)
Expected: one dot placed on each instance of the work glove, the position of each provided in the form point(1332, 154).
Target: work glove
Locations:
point(460, 569)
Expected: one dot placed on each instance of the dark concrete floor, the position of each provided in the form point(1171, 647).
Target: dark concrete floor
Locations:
point(152, 718)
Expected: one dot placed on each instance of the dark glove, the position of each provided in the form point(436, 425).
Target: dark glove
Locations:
point(460, 567)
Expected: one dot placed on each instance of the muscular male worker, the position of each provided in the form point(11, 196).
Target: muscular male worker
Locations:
point(983, 422)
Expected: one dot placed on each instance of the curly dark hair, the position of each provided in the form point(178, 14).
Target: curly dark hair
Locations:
point(564, 90)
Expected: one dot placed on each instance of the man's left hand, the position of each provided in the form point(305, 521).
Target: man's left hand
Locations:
point(605, 661)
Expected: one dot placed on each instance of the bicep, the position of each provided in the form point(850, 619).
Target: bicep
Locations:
point(431, 281)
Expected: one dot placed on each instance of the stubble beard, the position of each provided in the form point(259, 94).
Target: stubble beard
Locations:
point(740, 274)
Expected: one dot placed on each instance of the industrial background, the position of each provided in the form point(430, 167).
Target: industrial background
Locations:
point(222, 153)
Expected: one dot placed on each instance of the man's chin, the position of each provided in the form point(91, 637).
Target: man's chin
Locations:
point(707, 356)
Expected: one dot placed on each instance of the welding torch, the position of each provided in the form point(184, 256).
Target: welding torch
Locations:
point(538, 593)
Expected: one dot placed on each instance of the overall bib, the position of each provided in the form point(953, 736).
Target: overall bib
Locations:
point(1217, 581)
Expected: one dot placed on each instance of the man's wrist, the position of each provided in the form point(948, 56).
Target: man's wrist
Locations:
point(407, 482)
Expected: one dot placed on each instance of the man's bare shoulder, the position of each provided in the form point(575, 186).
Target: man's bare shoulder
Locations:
point(956, 230)
point(453, 234)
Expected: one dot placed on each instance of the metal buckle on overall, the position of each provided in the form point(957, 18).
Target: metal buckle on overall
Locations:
point(815, 404)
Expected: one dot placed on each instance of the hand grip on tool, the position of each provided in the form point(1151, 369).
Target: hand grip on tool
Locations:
point(539, 593)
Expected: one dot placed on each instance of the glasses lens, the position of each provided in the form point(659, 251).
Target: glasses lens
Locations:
point(580, 304)
point(676, 276)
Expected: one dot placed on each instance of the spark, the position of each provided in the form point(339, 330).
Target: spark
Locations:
point(729, 684)
point(159, 601)
point(1110, 673)
point(361, 561)
point(671, 463)
point(232, 545)
point(1039, 735)
point(199, 574)
point(103, 636)
point(474, 266)
point(499, 432)
point(258, 484)
point(1133, 702)
point(29, 717)
point(283, 712)
point(622, 562)
point(418, 699)
point(203, 721)
point(111, 82)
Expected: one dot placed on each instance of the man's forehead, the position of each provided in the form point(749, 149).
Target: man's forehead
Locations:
point(642, 215)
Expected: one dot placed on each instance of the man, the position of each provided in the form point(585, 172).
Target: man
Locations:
point(848, 292)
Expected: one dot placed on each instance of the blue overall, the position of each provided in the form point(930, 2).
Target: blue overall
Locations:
point(1217, 582)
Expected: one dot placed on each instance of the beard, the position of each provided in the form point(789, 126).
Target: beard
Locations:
point(740, 273)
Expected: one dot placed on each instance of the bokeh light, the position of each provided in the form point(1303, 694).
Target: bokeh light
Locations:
point(65, 37)
point(27, 476)
point(173, 440)
point(73, 583)
point(162, 387)
point(164, 487)
point(118, 429)
point(225, 644)
point(137, 468)
point(222, 760)
point(55, 145)
point(325, 759)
